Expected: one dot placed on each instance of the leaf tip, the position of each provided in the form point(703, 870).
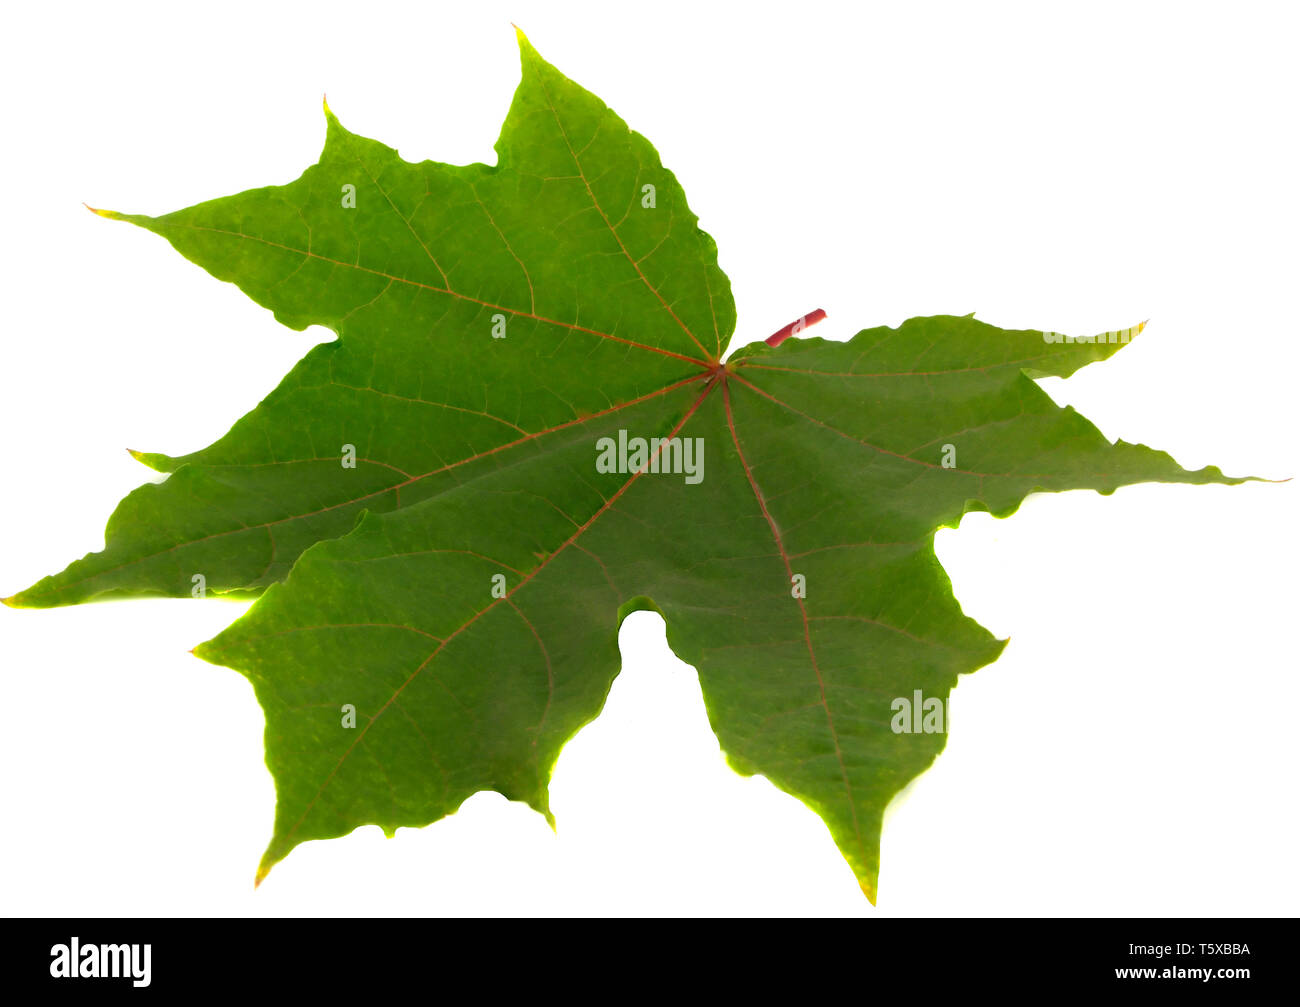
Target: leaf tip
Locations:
point(109, 214)
point(262, 872)
point(522, 39)
point(868, 886)
point(10, 602)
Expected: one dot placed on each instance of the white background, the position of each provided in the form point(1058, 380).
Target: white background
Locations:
point(1077, 168)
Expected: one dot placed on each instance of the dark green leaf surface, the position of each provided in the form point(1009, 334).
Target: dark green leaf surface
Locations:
point(463, 586)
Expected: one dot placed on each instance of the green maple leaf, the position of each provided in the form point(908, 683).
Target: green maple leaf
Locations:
point(460, 585)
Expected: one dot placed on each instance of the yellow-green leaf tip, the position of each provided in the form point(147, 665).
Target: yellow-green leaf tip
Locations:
point(110, 214)
point(525, 46)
